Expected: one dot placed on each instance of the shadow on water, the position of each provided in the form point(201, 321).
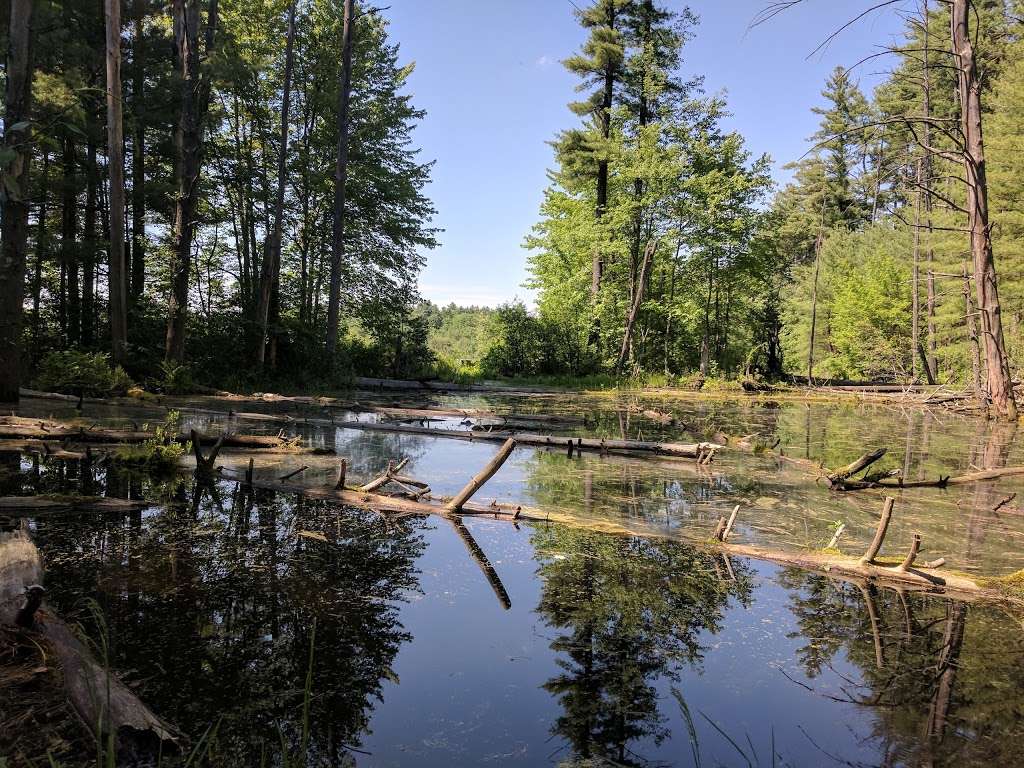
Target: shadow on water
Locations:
point(481, 642)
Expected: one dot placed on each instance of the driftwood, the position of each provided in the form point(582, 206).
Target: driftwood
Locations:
point(880, 531)
point(104, 704)
point(386, 477)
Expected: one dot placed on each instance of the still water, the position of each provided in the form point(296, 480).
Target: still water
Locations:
point(558, 645)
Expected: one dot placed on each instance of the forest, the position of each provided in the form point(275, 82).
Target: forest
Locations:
point(222, 194)
point(739, 483)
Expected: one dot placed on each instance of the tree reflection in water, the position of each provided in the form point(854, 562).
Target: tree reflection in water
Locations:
point(941, 677)
point(211, 603)
point(629, 613)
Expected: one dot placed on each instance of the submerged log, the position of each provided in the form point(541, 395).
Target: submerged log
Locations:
point(940, 482)
point(592, 444)
point(105, 705)
point(34, 505)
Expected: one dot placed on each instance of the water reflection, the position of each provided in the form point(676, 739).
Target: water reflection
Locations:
point(628, 614)
point(593, 646)
point(211, 602)
point(941, 679)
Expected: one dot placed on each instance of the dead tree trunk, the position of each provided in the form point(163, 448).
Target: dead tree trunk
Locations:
point(340, 180)
point(193, 100)
point(116, 285)
point(972, 336)
point(14, 210)
point(999, 382)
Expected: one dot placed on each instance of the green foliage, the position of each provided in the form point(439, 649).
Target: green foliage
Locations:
point(160, 454)
point(519, 347)
point(176, 379)
point(74, 372)
point(863, 306)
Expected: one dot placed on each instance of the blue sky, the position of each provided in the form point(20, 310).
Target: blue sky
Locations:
point(488, 73)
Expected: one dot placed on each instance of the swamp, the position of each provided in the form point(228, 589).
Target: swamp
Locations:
point(570, 383)
point(267, 626)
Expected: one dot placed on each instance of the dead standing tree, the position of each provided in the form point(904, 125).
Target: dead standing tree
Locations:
point(969, 150)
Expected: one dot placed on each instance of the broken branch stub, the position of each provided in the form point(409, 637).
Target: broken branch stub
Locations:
point(880, 531)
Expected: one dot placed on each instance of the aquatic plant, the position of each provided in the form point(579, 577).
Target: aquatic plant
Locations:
point(158, 455)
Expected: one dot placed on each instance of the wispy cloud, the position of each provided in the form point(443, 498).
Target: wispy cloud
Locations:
point(543, 62)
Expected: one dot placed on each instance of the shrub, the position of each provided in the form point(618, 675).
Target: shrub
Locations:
point(158, 455)
point(81, 373)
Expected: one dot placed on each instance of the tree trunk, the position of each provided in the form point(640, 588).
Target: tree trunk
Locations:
point(89, 244)
point(972, 337)
point(116, 284)
point(933, 344)
point(138, 270)
point(69, 245)
point(14, 210)
point(915, 282)
point(272, 260)
point(194, 98)
point(42, 240)
point(999, 383)
point(340, 179)
point(637, 300)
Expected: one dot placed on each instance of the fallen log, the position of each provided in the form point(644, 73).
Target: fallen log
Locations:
point(592, 444)
point(105, 705)
point(386, 477)
point(831, 564)
point(57, 432)
point(862, 463)
point(43, 448)
point(33, 505)
point(941, 482)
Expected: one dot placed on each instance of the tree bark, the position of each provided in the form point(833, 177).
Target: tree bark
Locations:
point(14, 210)
point(340, 179)
point(999, 383)
point(638, 298)
point(116, 284)
point(88, 253)
point(138, 269)
point(272, 260)
point(188, 142)
point(69, 244)
point(42, 240)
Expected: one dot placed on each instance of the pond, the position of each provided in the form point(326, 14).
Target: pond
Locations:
point(424, 641)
